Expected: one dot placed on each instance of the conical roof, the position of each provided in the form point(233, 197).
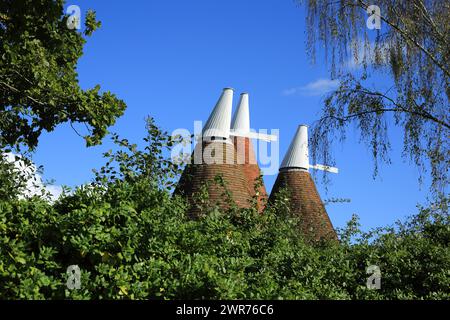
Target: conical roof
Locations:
point(217, 159)
point(241, 119)
point(303, 195)
point(297, 155)
point(245, 154)
point(305, 202)
point(218, 123)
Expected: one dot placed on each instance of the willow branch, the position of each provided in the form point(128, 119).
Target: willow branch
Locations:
point(407, 37)
point(398, 108)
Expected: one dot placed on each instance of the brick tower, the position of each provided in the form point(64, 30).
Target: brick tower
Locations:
point(214, 156)
point(304, 198)
point(245, 154)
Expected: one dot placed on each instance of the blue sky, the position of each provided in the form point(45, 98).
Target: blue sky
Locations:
point(171, 59)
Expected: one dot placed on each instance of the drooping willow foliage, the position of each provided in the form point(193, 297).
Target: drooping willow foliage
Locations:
point(394, 76)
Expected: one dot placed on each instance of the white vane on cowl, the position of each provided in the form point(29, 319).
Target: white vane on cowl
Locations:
point(297, 155)
point(324, 168)
point(240, 126)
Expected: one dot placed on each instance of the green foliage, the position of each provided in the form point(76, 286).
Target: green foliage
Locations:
point(133, 240)
point(19, 177)
point(10, 181)
point(38, 79)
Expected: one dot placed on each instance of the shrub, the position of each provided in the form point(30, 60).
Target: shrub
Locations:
point(133, 240)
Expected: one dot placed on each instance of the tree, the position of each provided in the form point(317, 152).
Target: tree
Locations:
point(39, 86)
point(409, 54)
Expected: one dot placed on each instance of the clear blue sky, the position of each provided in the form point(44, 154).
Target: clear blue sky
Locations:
point(171, 59)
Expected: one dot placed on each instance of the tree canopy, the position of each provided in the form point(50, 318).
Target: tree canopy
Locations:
point(397, 75)
point(39, 86)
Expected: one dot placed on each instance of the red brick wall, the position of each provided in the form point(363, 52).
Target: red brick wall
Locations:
point(245, 157)
point(239, 179)
point(196, 175)
point(305, 202)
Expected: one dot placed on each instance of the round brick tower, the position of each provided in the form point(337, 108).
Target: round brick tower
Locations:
point(304, 198)
point(214, 157)
point(245, 154)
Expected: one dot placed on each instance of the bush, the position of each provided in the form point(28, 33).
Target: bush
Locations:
point(133, 240)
